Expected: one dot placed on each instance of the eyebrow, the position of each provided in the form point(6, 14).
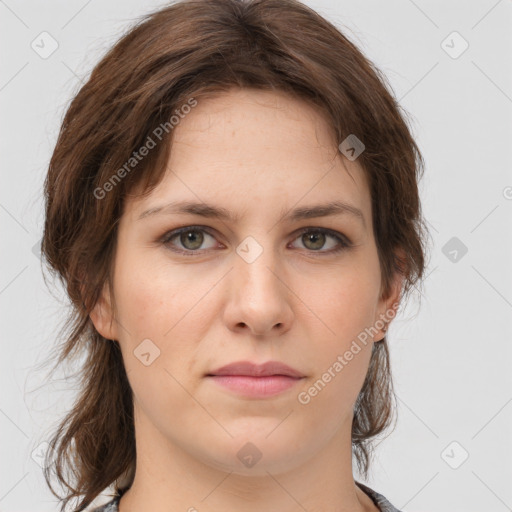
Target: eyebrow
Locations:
point(218, 212)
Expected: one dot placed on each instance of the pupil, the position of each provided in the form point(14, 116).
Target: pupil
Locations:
point(314, 237)
point(191, 236)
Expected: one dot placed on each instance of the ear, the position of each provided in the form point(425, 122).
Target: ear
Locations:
point(388, 306)
point(102, 315)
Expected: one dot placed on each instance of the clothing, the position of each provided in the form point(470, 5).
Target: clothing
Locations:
point(380, 501)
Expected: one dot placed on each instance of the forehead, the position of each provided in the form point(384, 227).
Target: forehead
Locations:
point(252, 150)
point(269, 117)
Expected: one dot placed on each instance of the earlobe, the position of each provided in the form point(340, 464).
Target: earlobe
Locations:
point(102, 316)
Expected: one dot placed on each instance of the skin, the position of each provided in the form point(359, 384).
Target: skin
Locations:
point(257, 154)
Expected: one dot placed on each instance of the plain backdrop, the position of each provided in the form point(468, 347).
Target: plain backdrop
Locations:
point(449, 65)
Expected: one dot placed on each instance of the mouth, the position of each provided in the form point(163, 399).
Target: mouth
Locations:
point(257, 381)
point(256, 387)
point(250, 369)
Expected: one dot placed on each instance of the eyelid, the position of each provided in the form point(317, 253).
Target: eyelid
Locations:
point(343, 239)
point(169, 235)
point(344, 242)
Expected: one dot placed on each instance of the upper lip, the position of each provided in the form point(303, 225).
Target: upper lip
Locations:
point(257, 370)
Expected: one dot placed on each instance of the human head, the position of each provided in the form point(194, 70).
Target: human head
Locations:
point(199, 49)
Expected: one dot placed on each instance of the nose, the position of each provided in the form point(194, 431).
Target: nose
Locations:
point(259, 298)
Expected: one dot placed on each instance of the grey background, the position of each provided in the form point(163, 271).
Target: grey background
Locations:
point(451, 354)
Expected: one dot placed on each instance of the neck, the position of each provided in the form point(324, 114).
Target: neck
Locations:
point(173, 479)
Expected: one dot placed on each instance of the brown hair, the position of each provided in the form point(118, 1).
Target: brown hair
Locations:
point(194, 49)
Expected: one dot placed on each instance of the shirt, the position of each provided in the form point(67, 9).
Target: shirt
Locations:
point(378, 499)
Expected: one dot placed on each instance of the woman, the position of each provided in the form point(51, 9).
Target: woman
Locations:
point(233, 206)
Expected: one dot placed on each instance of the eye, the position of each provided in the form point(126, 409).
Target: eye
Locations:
point(315, 238)
point(191, 238)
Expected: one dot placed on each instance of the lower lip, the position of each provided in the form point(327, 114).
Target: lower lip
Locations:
point(256, 387)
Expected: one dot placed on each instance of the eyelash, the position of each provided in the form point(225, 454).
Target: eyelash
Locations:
point(344, 242)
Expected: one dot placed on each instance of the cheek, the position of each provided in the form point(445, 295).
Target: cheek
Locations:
point(344, 307)
point(150, 300)
point(344, 304)
point(342, 357)
point(168, 307)
point(153, 305)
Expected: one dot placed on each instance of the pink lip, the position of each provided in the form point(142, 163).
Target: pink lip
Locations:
point(257, 370)
point(256, 387)
point(257, 381)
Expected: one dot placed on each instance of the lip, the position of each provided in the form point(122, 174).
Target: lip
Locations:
point(256, 381)
point(247, 368)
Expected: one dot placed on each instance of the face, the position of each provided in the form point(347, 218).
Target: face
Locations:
point(263, 281)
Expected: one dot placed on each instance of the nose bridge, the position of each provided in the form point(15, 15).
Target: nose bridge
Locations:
point(255, 269)
point(259, 299)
